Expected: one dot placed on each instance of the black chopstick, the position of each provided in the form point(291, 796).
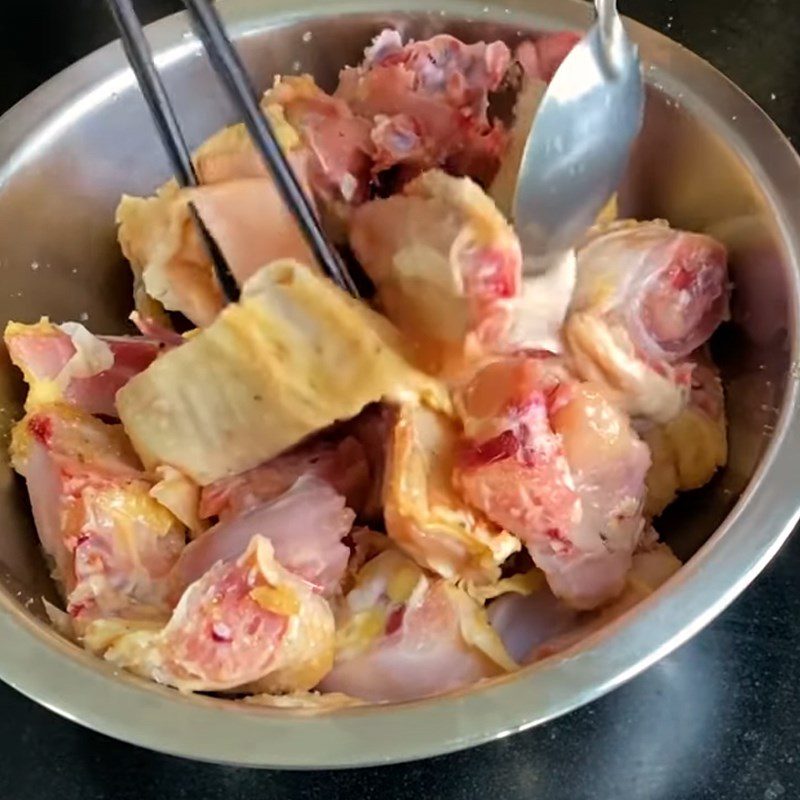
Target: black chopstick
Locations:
point(231, 72)
point(140, 58)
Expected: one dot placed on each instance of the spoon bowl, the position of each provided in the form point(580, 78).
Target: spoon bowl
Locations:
point(580, 141)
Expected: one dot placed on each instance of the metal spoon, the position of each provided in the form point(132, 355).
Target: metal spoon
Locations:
point(579, 143)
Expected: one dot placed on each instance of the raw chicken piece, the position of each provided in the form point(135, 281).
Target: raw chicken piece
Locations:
point(445, 263)
point(341, 463)
point(444, 69)
point(246, 218)
point(170, 265)
point(646, 297)
point(231, 155)
point(554, 462)
point(608, 463)
point(688, 449)
point(525, 621)
point(305, 526)
point(340, 166)
point(430, 100)
point(538, 625)
point(512, 464)
point(351, 457)
point(402, 635)
point(424, 514)
point(669, 287)
point(239, 205)
point(329, 146)
point(398, 142)
point(250, 223)
point(249, 626)
point(294, 355)
point(67, 363)
point(330, 151)
point(112, 545)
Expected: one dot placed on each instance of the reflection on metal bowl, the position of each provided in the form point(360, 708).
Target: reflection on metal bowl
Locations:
point(708, 160)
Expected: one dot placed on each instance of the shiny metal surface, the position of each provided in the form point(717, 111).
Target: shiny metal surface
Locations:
point(580, 141)
point(708, 159)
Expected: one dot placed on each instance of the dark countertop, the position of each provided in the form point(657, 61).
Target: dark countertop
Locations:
point(720, 718)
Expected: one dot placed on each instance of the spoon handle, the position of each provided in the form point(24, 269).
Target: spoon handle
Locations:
point(612, 32)
point(606, 8)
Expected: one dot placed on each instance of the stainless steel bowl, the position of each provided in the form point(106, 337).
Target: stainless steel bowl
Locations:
point(709, 160)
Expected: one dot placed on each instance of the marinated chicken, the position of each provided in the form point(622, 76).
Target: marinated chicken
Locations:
point(68, 363)
point(646, 298)
point(312, 501)
point(292, 357)
point(429, 102)
point(248, 625)
point(423, 512)
point(535, 625)
point(556, 463)
point(112, 546)
point(689, 449)
point(402, 634)
point(445, 263)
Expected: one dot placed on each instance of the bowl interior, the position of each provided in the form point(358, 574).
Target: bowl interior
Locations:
point(61, 178)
